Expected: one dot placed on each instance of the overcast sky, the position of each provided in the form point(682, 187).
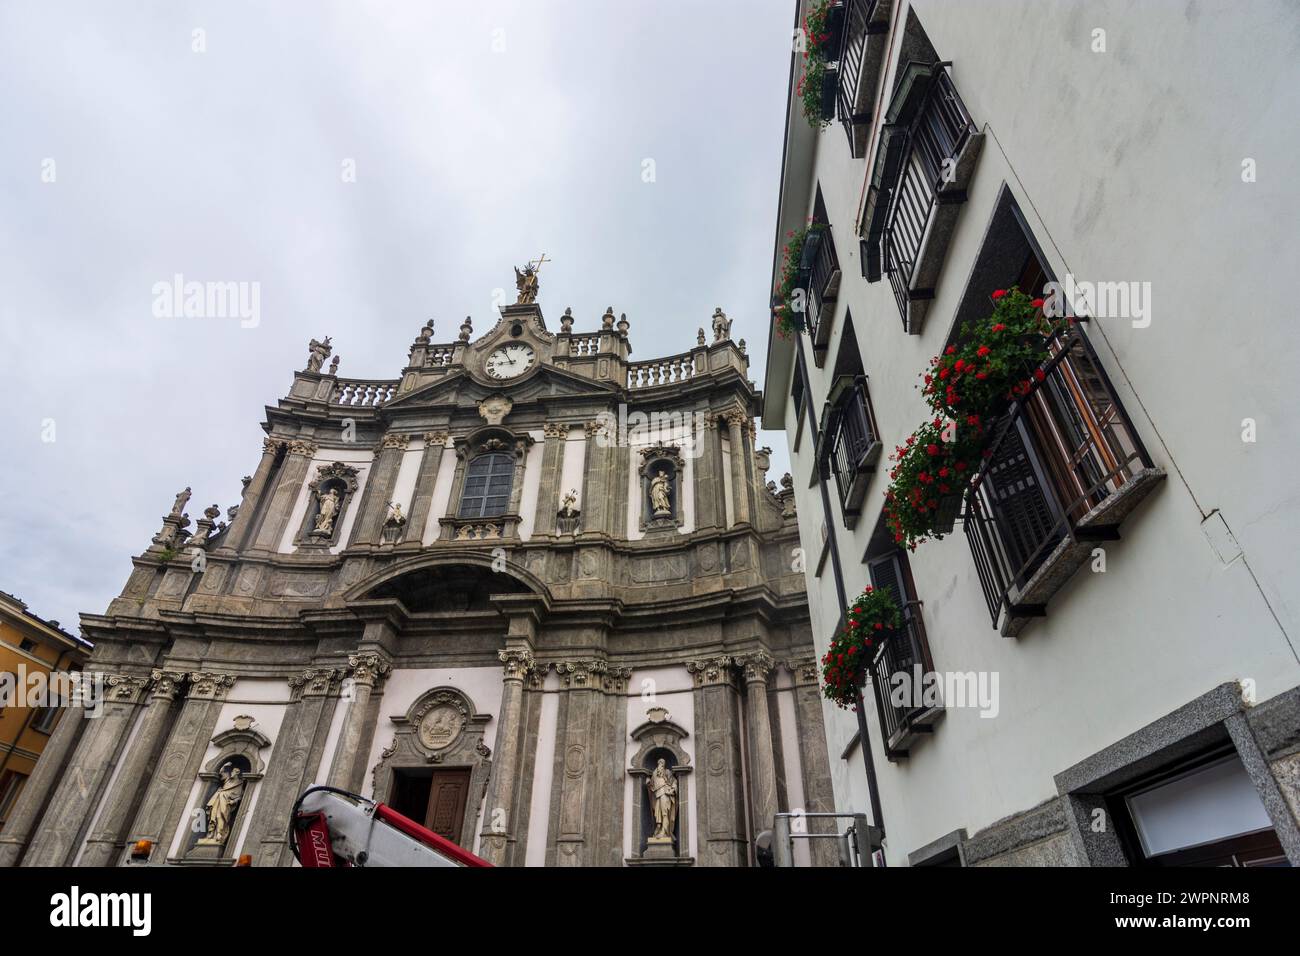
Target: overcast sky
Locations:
point(481, 134)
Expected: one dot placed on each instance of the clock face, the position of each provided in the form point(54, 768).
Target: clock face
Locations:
point(510, 361)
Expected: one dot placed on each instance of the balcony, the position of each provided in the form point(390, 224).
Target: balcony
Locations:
point(862, 54)
point(849, 446)
point(905, 651)
point(1066, 467)
point(820, 279)
point(924, 164)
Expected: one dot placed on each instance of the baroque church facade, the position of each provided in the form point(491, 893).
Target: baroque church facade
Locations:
point(503, 593)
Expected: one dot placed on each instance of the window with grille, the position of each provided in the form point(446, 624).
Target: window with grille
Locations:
point(487, 486)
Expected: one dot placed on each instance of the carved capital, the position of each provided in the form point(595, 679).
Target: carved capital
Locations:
point(517, 662)
point(804, 670)
point(582, 674)
point(166, 684)
point(315, 681)
point(271, 445)
point(395, 440)
point(302, 446)
point(757, 666)
point(207, 685)
point(710, 670)
point(368, 668)
point(435, 438)
point(596, 426)
point(555, 430)
point(124, 688)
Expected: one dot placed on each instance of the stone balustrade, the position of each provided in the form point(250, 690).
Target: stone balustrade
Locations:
point(664, 371)
point(362, 393)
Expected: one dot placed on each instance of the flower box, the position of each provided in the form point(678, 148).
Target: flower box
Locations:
point(946, 515)
point(830, 88)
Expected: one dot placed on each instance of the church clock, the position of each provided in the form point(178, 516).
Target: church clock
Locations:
point(510, 361)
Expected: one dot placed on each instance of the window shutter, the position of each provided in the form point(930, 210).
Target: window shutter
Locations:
point(887, 573)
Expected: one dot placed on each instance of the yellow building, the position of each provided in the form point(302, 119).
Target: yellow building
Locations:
point(29, 645)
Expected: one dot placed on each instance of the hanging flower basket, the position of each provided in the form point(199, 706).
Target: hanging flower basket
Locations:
point(996, 360)
point(792, 290)
point(929, 475)
point(868, 621)
point(945, 513)
point(822, 29)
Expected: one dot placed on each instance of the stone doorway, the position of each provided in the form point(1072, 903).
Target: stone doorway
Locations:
point(435, 798)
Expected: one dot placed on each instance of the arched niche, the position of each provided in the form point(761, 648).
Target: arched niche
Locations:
point(659, 739)
point(664, 466)
point(239, 748)
point(441, 729)
point(335, 487)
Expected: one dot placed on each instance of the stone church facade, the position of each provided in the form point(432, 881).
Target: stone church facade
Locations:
point(494, 593)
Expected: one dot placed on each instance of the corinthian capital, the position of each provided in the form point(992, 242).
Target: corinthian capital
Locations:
point(710, 670)
point(368, 668)
point(518, 661)
point(582, 673)
point(166, 684)
point(396, 440)
point(757, 666)
point(316, 680)
point(271, 445)
point(302, 446)
point(124, 688)
point(209, 684)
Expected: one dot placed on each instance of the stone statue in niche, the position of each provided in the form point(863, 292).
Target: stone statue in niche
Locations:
point(663, 802)
point(318, 353)
point(223, 805)
point(393, 526)
point(328, 513)
point(660, 494)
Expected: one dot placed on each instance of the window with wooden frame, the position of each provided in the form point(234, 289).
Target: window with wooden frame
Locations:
point(488, 481)
point(905, 721)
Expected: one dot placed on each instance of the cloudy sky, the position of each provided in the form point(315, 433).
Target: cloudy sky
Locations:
point(481, 135)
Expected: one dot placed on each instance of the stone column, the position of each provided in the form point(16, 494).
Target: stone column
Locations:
point(499, 836)
point(579, 786)
point(294, 759)
point(422, 501)
point(49, 771)
point(814, 761)
point(106, 840)
point(737, 430)
point(367, 670)
point(78, 793)
point(549, 491)
point(762, 762)
point(595, 503)
point(379, 489)
point(180, 763)
point(292, 474)
point(720, 793)
point(710, 506)
point(242, 526)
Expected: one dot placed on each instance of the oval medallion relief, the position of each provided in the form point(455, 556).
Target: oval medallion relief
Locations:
point(440, 727)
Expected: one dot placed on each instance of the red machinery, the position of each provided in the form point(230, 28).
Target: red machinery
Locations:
point(331, 827)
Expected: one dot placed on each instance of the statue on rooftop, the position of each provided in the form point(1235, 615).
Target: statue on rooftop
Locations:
point(319, 352)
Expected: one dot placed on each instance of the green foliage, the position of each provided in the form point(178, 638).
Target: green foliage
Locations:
point(872, 618)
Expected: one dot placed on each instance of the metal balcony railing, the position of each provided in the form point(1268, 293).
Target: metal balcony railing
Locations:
point(904, 651)
point(821, 281)
point(1064, 468)
point(858, 29)
point(851, 446)
point(932, 142)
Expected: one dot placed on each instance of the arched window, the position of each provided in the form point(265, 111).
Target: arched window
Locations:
point(487, 486)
